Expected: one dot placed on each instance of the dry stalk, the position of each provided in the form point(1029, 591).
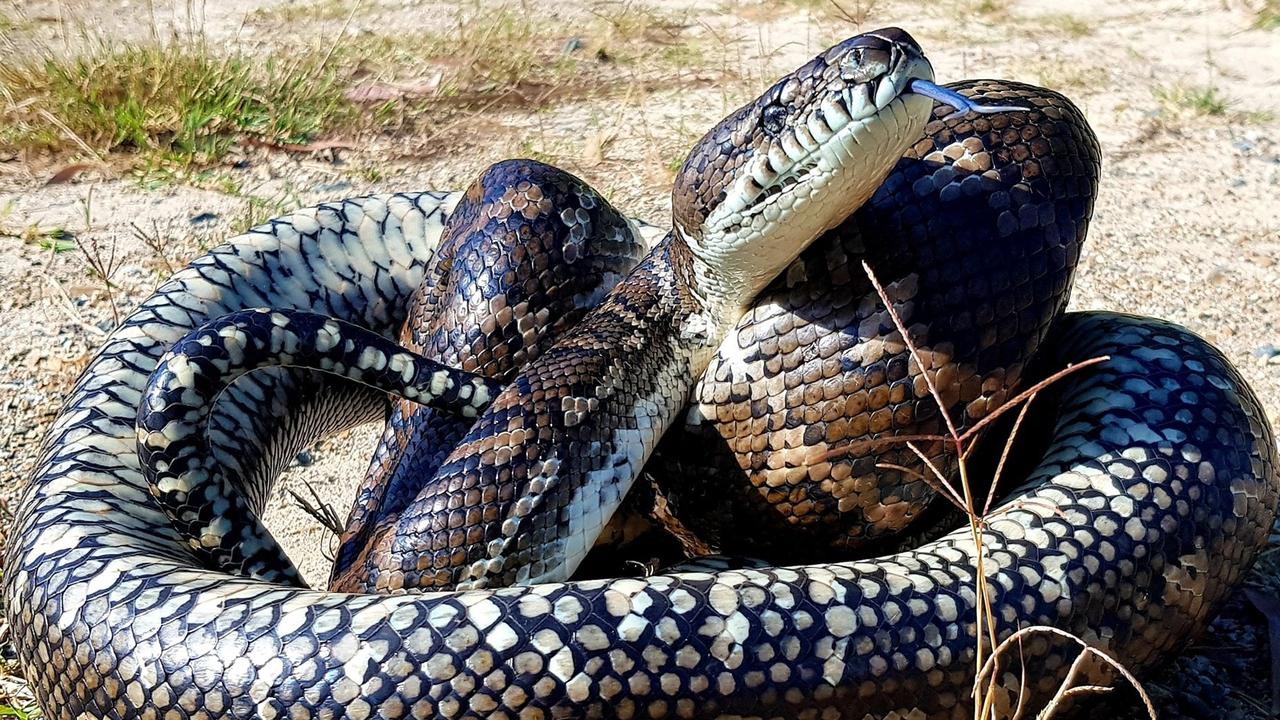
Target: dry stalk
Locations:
point(1004, 453)
point(337, 42)
point(154, 242)
point(858, 15)
point(323, 513)
point(962, 444)
point(71, 135)
point(70, 306)
point(100, 264)
point(937, 479)
point(984, 619)
point(1066, 690)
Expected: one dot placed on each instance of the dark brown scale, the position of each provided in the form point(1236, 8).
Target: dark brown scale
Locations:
point(977, 230)
point(528, 251)
point(589, 412)
point(442, 538)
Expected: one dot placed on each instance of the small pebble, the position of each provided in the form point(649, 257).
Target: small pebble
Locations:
point(204, 218)
point(304, 458)
point(1266, 351)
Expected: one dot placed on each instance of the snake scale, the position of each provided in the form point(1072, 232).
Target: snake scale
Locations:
point(1155, 490)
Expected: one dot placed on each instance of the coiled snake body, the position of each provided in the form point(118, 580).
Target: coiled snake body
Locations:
point(1157, 489)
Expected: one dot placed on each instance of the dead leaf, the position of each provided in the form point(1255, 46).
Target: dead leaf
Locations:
point(597, 143)
point(379, 92)
point(67, 173)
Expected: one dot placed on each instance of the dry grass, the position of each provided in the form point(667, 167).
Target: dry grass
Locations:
point(1064, 24)
point(962, 444)
point(173, 106)
point(1194, 99)
point(1071, 78)
point(850, 12)
point(989, 11)
point(315, 11)
point(176, 102)
point(16, 700)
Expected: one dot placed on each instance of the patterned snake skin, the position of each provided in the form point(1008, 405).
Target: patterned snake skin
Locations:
point(816, 365)
point(975, 235)
point(1155, 489)
point(527, 252)
point(533, 482)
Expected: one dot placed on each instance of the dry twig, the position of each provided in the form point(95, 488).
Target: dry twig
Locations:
point(962, 444)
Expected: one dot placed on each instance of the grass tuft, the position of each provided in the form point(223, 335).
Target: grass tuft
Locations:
point(172, 108)
point(1196, 99)
point(1267, 16)
point(493, 51)
point(1072, 77)
point(177, 102)
point(1069, 25)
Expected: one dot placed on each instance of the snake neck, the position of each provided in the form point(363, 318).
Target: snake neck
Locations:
point(716, 300)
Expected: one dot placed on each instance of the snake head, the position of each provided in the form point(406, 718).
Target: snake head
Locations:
point(800, 158)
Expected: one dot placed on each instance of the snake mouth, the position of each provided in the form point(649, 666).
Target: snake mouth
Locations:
point(795, 162)
point(832, 138)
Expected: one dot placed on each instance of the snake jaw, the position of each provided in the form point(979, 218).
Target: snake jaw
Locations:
point(813, 148)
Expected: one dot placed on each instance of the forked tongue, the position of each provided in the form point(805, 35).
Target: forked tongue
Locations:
point(962, 104)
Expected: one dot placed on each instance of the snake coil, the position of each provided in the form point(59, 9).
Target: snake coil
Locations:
point(1156, 490)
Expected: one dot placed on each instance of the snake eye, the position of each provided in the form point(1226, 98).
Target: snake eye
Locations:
point(773, 118)
point(863, 64)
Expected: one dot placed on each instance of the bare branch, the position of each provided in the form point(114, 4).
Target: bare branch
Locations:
point(1020, 397)
point(1004, 454)
point(911, 347)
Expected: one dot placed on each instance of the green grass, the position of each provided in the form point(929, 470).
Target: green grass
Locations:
point(177, 101)
point(1194, 99)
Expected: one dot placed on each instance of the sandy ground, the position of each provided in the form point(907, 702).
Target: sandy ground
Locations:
point(1186, 225)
